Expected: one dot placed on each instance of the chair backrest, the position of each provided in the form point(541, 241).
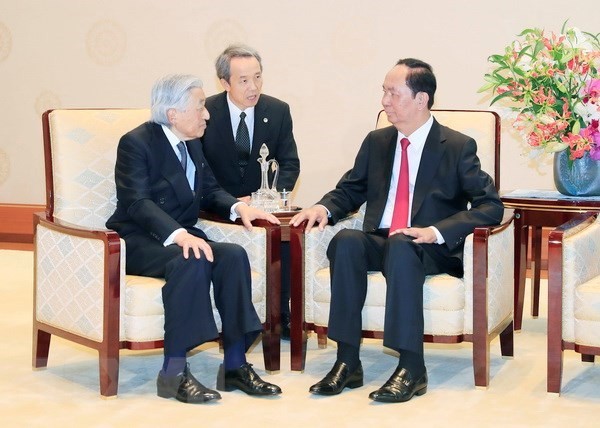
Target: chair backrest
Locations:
point(482, 125)
point(80, 147)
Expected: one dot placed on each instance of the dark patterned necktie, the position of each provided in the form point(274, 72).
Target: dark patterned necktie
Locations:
point(181, 147)
point(242, 142)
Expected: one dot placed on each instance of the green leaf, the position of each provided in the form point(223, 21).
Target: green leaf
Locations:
point(555, 147)
point(519, 71)
point(496, 58)
point(485, 88)
point(538, 47)
point(499, 97)
point(528, 31)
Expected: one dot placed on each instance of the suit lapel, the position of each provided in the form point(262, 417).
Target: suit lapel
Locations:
point(222, 120)
point(261, 128)
point(428, 167)
point(387, 159)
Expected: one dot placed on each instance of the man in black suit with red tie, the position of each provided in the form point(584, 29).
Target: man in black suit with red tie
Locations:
point(163, 181)
point(425, 192)
point(266, 120)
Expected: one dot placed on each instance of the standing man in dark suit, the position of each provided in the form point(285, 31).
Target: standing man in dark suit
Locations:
point(418, 179)
point(266, 120)
point(163, 180)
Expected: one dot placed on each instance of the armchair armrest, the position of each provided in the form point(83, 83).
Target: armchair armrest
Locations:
point(65, 252)
point(309, 248)
point(572, 255)
point(489, 266)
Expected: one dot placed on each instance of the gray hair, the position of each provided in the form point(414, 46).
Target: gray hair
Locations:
point(223, 63)
point(172, 91)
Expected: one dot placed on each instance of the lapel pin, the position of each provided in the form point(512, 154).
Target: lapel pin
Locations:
point(265, 119)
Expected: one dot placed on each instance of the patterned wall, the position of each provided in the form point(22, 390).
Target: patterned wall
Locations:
point(326, 59)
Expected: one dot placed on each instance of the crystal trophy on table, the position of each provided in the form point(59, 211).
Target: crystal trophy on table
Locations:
point(267, 197)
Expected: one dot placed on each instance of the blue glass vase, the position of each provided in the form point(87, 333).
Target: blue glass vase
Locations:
point(577, 178)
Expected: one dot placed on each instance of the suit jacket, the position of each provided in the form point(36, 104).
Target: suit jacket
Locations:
point(152, 190)
point(448, 180)
point(272, 126)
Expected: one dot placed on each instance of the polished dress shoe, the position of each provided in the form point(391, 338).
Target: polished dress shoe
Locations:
point(338, 378)
point(400, 387)
point(184, 387)
point(245, 379)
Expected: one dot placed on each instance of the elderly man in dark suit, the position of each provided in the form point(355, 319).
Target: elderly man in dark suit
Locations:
point(264, 120)
point(163, 180)
point(425, 192)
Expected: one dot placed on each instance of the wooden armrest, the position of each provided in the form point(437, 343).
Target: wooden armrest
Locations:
point(110, 238)
point(491, 230)
point(556, 239)
point(576, 224)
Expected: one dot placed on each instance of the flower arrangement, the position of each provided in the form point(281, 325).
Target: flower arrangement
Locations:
point(552, 83)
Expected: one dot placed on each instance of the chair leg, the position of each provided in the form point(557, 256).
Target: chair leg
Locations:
point(481, 362)
point(271, 351)
point(555, 365)
point(109, 370)
point(41, 348)
point(298, 343)
point(507, 341)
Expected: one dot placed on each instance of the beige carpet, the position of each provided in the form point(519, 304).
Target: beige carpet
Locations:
point(66, 393)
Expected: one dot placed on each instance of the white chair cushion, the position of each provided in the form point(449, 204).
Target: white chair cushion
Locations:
point(443, 300)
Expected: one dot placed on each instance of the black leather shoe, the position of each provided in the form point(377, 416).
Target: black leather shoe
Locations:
point(285, 326)
point(400, 387)
point(184, 387)
point(338, 378)
point(245, 379)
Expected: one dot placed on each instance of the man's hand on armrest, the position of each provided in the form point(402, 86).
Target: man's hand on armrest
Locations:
point(248, 213)
point(315, 214)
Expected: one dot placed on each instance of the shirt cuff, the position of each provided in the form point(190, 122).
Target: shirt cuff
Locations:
point(440, 239)
point(233, 216)
point(328, 213)
point(170, 239)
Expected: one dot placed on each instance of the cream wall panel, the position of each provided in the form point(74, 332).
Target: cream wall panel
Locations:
point(327, 59)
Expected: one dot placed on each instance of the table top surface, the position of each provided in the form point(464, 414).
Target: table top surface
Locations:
point(548, 200)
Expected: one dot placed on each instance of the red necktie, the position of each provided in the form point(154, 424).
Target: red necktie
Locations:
point(400, 216)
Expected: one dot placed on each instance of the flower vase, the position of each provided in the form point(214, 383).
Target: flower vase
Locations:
point(580, 177)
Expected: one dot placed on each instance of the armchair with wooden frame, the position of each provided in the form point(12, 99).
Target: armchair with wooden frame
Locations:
point(573, 294)
point(475, 308)
point(81, 290)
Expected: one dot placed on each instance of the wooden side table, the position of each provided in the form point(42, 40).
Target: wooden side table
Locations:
point(536, 209)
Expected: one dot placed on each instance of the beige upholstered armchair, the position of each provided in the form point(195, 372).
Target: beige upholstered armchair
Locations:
point(81, 291)
point(573, 293)
point(474, 308)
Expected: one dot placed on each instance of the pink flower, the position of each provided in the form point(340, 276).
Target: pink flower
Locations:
point(592, 134)
point(591, 92)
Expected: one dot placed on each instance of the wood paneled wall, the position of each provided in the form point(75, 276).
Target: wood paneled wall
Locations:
point(16, 222)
